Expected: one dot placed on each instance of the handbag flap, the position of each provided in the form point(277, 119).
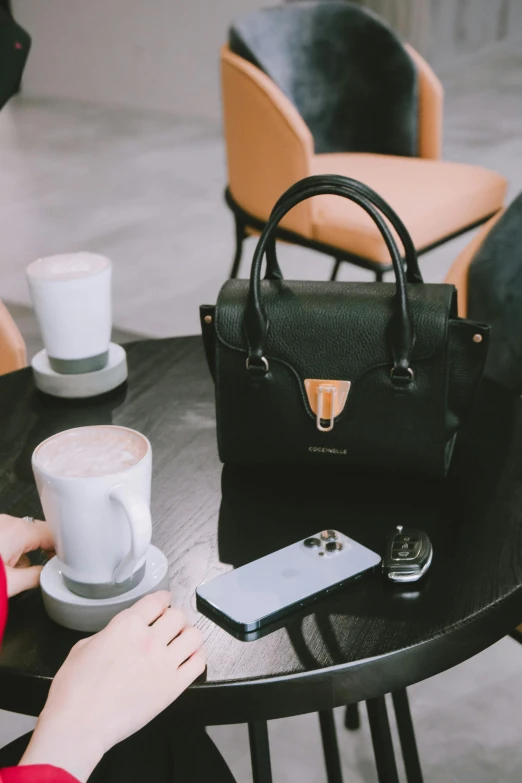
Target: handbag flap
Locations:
point(336, 330)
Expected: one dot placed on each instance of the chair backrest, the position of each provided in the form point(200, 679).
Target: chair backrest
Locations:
point(12, 346)
point(345, 70)
point(495, 295)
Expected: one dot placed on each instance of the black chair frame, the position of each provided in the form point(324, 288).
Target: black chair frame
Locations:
point(244, 221)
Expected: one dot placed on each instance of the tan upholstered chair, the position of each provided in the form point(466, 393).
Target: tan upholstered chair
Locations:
point(459, 272)
point(12, 346)
point(327, 87)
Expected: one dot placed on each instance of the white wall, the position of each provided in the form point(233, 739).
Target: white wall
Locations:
point(150, 54)
point(460, 27)
point(163, 54)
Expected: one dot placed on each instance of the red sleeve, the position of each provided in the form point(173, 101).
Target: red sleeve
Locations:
point(3, 600)
point(39, 773)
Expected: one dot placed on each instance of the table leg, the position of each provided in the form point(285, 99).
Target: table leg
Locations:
point(410, 753)
point(260, 752)
point(332, 759)
point(382, 740)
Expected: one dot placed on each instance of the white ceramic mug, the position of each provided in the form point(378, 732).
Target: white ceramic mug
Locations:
point(71, 295)
point(94, 485)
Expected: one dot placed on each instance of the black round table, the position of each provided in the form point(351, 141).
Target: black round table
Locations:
point(367, 640)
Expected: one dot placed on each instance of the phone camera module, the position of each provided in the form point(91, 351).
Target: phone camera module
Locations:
point(312, 543)
point(333, 546)
point(329, 535)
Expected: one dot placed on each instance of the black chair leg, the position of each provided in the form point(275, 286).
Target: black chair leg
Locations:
point(410, 753)
point(336, 267)
point(260, 752)
point(352, 719)
point(240, 237)
point(332, 760)
point(382, 741)
point(379, 276)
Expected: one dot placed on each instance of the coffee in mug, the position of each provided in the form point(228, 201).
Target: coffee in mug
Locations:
point(71, 295)
point(89, 452)
point(94, 485)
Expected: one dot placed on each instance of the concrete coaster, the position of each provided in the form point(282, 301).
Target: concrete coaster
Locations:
point(93, 614)
point(88, 384)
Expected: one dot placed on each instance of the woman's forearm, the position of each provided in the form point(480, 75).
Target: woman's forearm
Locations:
point(58, 767)
point(66, 747)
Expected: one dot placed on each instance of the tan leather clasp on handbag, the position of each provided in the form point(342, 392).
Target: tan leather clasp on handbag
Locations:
point(327, 400)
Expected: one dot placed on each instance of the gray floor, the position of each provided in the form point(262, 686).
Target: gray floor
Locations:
point(468, 722)
point(147, 191)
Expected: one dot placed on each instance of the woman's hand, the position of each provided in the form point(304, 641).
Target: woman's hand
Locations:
point(17, 538)
point(114, 683)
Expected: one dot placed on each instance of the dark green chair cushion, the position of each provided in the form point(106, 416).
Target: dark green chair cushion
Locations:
point(345, 70)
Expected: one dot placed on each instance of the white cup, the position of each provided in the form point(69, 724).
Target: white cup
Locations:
point(94, 485)
point(71, 295)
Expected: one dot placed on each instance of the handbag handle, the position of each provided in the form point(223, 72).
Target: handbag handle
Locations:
point(413, 273)
point(256, 324)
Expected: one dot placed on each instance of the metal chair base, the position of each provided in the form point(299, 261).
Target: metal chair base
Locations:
point(352, 720)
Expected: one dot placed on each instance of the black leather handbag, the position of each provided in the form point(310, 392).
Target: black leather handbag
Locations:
point(359, 374)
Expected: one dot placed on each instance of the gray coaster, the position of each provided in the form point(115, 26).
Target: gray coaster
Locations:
point(93, 614)
point(80, 385)
point(79, 366)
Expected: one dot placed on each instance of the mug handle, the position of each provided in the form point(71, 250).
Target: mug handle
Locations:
point(140, 523)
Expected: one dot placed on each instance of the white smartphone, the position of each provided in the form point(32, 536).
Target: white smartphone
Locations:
point(261, 592)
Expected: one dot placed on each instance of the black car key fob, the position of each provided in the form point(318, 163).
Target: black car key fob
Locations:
point(408, 555)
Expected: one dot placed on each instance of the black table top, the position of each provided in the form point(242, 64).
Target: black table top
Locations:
point(368, 639)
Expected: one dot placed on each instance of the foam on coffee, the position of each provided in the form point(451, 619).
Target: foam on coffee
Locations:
point(87, 452)
point(68, 266)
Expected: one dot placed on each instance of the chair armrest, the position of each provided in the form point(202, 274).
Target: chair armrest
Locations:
point(12, 346)
point(458, 274)
point(269, 146)
point(431, 108)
